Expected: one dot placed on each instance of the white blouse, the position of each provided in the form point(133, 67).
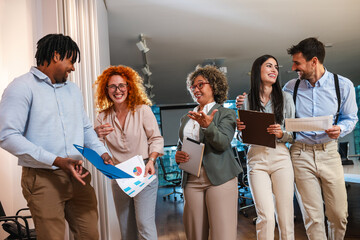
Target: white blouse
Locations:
point(192, 127)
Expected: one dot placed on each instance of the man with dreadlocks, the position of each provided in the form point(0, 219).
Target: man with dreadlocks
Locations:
point(41, 117)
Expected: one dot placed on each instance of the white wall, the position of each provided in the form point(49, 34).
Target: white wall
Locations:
point(34, 19)
point(21, 25)
point(103, 32)
point(15, 59)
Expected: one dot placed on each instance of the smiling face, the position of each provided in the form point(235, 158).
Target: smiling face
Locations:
point(118, 96)
point(269, 72)
point(202, 91)
point(62, 68)
point(305, 69)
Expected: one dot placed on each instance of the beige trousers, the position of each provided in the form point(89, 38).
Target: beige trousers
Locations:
point(53, 196)
point(319, 178)
point(271, 180)
point(210, 210)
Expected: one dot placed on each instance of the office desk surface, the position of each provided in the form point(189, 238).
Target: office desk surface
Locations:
point(352, 172)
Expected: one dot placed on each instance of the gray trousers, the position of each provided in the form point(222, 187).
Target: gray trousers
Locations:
point(319, 178)
point(136, 215)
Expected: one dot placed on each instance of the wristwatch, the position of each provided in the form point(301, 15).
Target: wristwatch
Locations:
point(152, 159)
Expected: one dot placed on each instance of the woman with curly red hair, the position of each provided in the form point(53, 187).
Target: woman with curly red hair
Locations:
point(129, 128)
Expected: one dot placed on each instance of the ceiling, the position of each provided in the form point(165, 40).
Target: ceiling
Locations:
point(183, 33)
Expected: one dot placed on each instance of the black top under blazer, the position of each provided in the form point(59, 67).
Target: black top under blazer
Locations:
point(218, 160)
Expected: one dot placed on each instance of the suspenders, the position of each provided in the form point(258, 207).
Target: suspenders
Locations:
point(337, 88)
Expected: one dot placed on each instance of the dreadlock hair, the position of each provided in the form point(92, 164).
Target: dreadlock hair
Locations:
point(276, 93)
point(51, 43)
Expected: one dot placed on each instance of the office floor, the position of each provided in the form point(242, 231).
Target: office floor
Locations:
point(170, 226)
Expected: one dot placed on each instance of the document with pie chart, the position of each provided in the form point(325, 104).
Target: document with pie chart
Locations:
point(135, 167)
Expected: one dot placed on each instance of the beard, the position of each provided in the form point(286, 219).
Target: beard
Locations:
point(303, 75)
point(61, 78)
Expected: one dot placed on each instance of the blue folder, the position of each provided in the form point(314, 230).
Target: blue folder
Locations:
point(108, 170)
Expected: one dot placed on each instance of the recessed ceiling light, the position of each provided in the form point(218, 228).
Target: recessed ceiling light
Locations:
point(328, 45)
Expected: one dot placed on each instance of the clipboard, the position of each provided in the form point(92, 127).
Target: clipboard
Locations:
point(195, 150)
point(256, 125)
point(108, 170)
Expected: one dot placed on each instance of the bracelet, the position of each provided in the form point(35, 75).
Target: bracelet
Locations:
point(152, 159)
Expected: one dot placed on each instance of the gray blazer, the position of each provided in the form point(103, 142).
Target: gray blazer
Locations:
point(218, 160)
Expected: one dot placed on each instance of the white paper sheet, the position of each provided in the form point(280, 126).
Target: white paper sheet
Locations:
point(308, 124)
point(135, 167)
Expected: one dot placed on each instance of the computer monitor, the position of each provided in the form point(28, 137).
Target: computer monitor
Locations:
point(170, 116)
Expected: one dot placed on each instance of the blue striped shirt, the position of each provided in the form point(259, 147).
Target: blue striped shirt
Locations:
point(40, 121)
point(321, 100)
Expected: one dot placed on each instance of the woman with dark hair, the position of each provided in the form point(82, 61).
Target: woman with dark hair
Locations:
point(129, 128)
point(211, 199)
point(270, 171)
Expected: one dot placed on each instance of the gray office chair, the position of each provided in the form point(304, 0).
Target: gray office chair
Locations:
point(173, 177)
point(245, 197)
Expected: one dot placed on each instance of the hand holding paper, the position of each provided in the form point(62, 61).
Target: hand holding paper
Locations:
point(308, 124)
point(149, 168)
point(333, 132)
point(109, 170)
point(129, 175)
point(134, 166)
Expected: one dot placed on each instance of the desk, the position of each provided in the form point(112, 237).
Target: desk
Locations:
point(352, 172)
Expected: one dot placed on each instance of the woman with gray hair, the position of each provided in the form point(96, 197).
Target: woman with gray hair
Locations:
point(211, 199)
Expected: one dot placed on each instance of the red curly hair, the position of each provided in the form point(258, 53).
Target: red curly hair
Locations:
point(136, 91)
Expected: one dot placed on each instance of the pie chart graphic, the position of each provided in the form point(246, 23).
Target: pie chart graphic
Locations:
point(137, 171)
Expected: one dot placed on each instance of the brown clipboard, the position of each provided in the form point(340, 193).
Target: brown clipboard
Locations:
point(256, 125)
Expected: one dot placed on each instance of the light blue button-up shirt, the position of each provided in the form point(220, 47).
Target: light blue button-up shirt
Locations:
point(321, 100)
point(40, 121)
